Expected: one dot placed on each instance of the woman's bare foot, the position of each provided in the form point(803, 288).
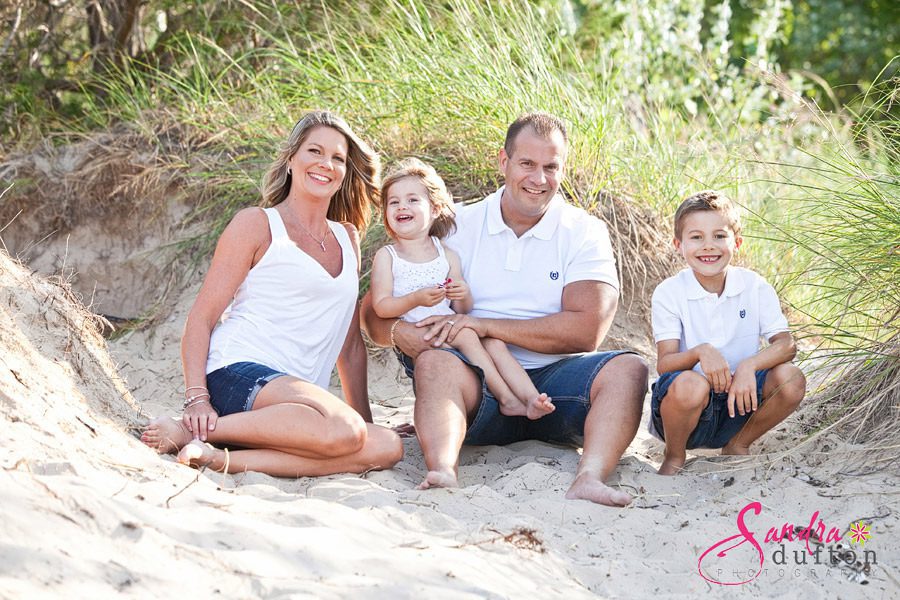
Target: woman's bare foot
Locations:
point(198, 454)
point(166, 435)
point(442, 479)
point(588, 487)
point(672, 464)
point(735, 449)
point(540, 406)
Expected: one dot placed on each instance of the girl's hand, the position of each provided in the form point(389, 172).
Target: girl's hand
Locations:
point(457, 290)
point(429, 296)
point(200, 419)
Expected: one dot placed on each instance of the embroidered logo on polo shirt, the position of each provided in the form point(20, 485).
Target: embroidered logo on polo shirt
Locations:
point(554, 275)
point(743, 313)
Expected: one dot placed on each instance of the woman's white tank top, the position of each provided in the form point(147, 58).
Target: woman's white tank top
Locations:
point(410, 276)
point(289, 313)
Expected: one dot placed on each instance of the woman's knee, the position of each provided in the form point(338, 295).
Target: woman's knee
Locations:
point(385, 446)
point(689, 391)
point(344, 434)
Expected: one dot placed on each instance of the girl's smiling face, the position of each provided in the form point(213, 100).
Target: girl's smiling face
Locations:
point(408, 209)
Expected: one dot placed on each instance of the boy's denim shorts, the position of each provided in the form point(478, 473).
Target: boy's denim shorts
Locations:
point(567, 382)
point(715, 428)
point(233, 389)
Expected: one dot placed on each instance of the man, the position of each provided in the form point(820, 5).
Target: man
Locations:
point(544, 281)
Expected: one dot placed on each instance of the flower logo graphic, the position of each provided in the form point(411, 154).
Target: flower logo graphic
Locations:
point(859, 532)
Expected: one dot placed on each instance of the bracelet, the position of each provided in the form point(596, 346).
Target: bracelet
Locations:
point(196, 387)
point(197, 401)
point(393, 327)
point(190, 399)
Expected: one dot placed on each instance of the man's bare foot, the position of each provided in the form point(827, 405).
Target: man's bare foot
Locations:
point(735, 449)
point(198, 454)
point(588, 487)
point(672, 465)
point(166, 435)
point(444, 479)
point(539, 407)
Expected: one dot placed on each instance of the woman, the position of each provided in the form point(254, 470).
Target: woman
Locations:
point(286, 278)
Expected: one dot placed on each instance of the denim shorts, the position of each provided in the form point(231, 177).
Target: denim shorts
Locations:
point(715, 428)
point(233, 389)
point(567, 382)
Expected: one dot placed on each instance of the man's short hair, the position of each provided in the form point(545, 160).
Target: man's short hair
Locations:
point(708, 200)
point(543, 124)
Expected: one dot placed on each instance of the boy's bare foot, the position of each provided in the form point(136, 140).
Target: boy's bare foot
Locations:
point(166, 435)
point(672, 465)
point(588, 487)
point(539, 407)
point(197, 454)
point(735, 449)
point(444, 479)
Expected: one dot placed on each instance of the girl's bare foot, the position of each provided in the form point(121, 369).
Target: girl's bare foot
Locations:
point(198, 454)
point(539, 407)
point(672, 464)
point(444, 479)
point(512, 407)
point(166, 435)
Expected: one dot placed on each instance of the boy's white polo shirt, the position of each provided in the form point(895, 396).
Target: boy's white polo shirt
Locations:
point(733, 323)
point(523, 277)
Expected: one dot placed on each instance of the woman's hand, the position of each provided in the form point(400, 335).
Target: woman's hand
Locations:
point(200, 418)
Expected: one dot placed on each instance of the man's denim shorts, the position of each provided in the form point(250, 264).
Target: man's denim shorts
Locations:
point(568, 382)
point(715, 428)
point(233, 389)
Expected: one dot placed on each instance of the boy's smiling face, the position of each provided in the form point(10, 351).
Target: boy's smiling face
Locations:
point(708, 244)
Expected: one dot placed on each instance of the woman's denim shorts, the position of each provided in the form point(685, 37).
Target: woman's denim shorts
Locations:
point(715, 428)
point(233, 389)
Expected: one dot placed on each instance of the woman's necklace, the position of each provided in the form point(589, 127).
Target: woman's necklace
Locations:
point(316, 240)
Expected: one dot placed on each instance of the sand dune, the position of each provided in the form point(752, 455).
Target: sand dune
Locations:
point(90, 512)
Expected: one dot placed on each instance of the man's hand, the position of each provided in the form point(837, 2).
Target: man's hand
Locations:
point(429, 296)
point(742, 392)
point(441, 329)
point(715, 367)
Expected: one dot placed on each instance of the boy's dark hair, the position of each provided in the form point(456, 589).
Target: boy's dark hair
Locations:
point(708, 200)
point(543, 124)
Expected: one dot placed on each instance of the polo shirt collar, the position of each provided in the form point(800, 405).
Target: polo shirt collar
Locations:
point(734, 284)
point(543, 229)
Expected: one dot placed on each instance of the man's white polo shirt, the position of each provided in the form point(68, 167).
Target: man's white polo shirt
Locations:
point(733, 323)
point(523, 277)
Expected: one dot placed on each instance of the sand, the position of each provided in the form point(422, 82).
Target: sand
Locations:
point(90, 512)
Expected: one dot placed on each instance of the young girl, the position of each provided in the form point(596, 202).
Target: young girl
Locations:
point(418, 276)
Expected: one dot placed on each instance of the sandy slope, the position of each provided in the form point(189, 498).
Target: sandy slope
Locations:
point(90, 512)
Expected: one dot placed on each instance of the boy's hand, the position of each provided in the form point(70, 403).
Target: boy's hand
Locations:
point(715, 367)
point(429, 296)
point(742, 392)
point(457, 289)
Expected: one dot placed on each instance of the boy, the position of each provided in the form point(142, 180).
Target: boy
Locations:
point(707, 323)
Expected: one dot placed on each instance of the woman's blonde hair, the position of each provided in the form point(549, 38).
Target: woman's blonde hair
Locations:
point(358, 194)
point(445, 222)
